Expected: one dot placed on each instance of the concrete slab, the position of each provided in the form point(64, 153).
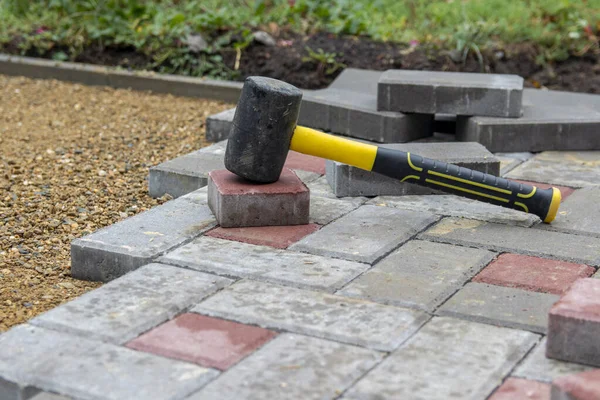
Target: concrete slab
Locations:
point(218, 125)
point(365, 234)
point(447, 358)
point(419, 275)
point(337, 318)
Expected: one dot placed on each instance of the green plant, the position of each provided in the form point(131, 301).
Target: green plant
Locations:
point(326, 62)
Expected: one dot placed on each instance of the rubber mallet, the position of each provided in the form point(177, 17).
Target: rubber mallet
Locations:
point(264, 129)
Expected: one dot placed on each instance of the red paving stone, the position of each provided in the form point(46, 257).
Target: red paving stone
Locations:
point(280, 237)
point(564, 190)
point(581, 302)
point(230, 184)
point(210, 342)
point(533, 273)
point(522, 389)
point(582, 386)
point(305, 162)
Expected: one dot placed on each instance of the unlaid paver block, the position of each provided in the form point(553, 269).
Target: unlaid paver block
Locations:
point(503, 306)
point(456, 206)
point(324, 210)
point(418, 275)
point(327, 316)
point(574, 324)
point(132, 304)
point(235, 259)
point(357, 80)
point(447, 358)
point(346, 180)
point(210, 342)
point(34, 357)
point(521, 389)
point(536, 366)
point(533, 273)
point(580, 213)
point(279, 237)
point(49, 396)
point(219, 125)
point(455, 93)
point(514, 239)
point(355, 114)
point(365, 234)
point(236, 202)
point(541, 128)
point(567, 168)
point(127, 245)
point(293, 367)
point(582, 386)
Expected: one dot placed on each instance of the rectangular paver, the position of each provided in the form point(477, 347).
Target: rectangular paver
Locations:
point(324, 210)
point(418, 275)
point(579, 213)
point(320, 188)
point(122, 309)
point(85, 369)
point(498, 305)
point(346, 180)
point(455, 93)
point(514, 239)
point(357, 80)
point(293, 367)
point(365, 234)
point(125, 246)
point(447, 358)
point(322, 315)
point(235, 259)
point(279, 237)
point(218, 125)
point(509, 161)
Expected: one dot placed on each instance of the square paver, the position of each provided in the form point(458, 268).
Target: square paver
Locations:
point(317, 314)
point(419, 275)
point(279, 237)
point(533, 273)
point(517, 388)
point(210, 342)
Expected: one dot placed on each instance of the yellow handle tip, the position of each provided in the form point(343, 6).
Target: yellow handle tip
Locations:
point(554, 204)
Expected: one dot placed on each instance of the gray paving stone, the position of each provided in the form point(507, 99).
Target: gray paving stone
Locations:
point(320, 188)
point(513, 239)
point(579, 213)
point(242, 260)
point(558, 98)
point(419, 275)
point(355, 114)
point(455, 93)
point(346, 180)
point(357, 80)
point(50, 396)
point(125, 246)
point(218, 125)
point(498, 305)
point(456, 206)
point(365, 234)
point(39, 358)
point(124, 308)
point(324, 210)
point(446, 359)
point(536, 366)
point(293, 367)
point(541, 128)
point(337, 318)
point(509, 161)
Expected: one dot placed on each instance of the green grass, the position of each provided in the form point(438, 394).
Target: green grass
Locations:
point(157, 28)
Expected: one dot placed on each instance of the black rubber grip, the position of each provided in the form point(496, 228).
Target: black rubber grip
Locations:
point(465, 182)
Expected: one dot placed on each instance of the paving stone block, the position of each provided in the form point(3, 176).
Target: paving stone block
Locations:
point(418, 275)
point(497, 305)
point(567, 168)
point(127, 245)
point(210, 342)
point(447, 358)
point(522, 389)
point(316, 314)
point(126, 307)
point(49, 396)
point(355, 114)
point(324, 210)
point(236, 202)
point(293, 367)
point(263, 263)
point(455, 93)
point(514, 239)
point(574, 324)
point(365, 234)
point(537, 97)
point(81, 368)
point(320, 188)
point(580, 213)
point(357, 80)
point(279, 237)
point(219, 125)
point(508, 163)
point(346, 180)
point(582, 386)
point(533, 273)
point(456, 206)
point(539, 368)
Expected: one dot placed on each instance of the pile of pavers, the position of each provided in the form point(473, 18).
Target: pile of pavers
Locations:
point(334, 283)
